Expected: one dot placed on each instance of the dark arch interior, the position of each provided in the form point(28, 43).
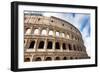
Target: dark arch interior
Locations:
point(48, 59)
point(64, 58)
point(27, 59)
point(24, 41)
point(57, 58)
point(64, 46)
point(49, 46)
point(76, 58)
point(69, 46)
point(74, 47)
point(41, 45)
point(71, 57)
point(38, 59)
point(57, 45)
point(32, 44)
point(26, 30)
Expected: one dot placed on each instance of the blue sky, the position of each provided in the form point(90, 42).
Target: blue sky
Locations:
point(81, 21)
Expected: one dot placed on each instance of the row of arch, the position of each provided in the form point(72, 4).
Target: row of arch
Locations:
point(43, 32)
point(57, 45)
point(50, 58)
point(53, 20)
point(47, 32)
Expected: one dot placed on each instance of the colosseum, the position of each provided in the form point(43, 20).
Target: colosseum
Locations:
point(51, 38)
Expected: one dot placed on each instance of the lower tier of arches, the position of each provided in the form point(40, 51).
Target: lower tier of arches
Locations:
point(43, 56)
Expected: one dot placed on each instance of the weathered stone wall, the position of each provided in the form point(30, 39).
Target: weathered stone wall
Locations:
point(51, 38)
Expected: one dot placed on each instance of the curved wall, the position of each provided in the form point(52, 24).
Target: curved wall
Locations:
point(51, 38)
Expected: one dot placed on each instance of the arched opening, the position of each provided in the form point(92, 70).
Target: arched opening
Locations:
point(38, 59)
point(48, 59)
point(73, 38)
point(52, 21)
point(51, 33)
point(63, 34)
point(71, 58)
point(57, 34)
point(49, 46)
point(57, 58)
point(36, 32)
point(38, 19)
point(78, 48)
point(69, 46)
point(64, 46)
point(28, 31)
point(32, 45)
point(44, 32)
point(81, 49)
point(57, 45)
point(67, 36)
point(41, 45)
point(64, 58)
point(74, 47)
point(76, 58)
point(26, 59)
point(24, 41)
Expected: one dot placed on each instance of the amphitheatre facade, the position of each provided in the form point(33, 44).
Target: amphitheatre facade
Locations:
point(51, 38)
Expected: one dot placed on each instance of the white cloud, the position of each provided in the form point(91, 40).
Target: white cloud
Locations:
point(76, 21)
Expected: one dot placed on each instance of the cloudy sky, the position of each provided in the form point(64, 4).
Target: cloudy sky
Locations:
point(79, 20)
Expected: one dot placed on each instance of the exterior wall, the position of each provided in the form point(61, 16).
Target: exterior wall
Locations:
point(54, 30)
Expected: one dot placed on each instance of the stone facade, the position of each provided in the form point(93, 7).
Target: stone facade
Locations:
point(51, 38)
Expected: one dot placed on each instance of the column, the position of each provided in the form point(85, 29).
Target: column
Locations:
point(31, 30)
point(35, 46)
point(47, 31)
point(54, 44)
point(39, 30)
point(72, 47)
point(28, 43)
point(61, 46)
point(67, 48)
point(54, 33)
point(45, 45)
point(31, 58)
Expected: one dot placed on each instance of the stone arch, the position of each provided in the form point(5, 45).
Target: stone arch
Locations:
point(28, 31)
point(24, 41)
point(64, 46)
point(63, 34)
point(51, 33)
point(57, 58)
point(74, 47)
point(67, 35)
point(72, 37)
point(57, 33)
point(69, 46)
point(41, 45)
point(44, 32)
point(32, 44)
point(57, 45)
point(76, 57)
point(36, 31)
point(64, 58)
point(38, 59)
point(71, 58)
point(26, 59)
point(49, 45)
point(48, 59)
